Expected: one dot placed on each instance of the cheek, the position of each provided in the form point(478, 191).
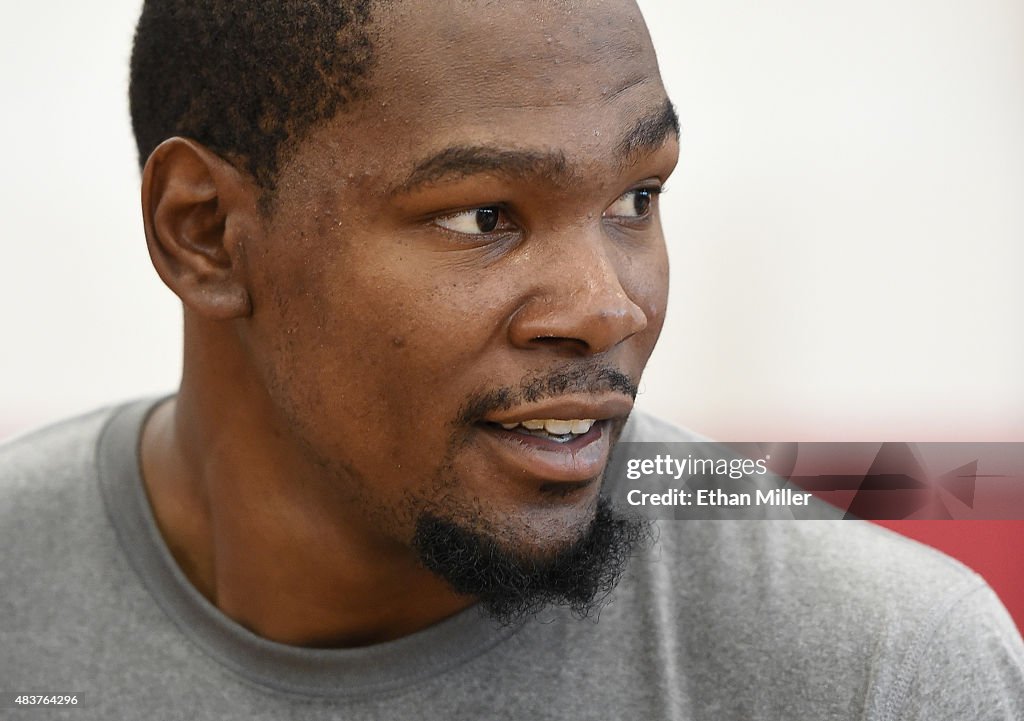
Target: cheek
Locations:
point(377, 346)
point(646, 282)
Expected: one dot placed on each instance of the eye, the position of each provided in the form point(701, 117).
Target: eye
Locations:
point(634, 204)
point(476, 221)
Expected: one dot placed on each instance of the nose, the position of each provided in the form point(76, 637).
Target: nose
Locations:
point(577, 304)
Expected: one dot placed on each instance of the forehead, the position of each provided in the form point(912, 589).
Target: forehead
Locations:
point(495, 51)
point(540, 75)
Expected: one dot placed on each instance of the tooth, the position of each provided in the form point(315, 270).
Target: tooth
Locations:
point(557, 428)
point(580, 427)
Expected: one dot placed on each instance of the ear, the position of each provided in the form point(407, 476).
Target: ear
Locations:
point(198, 211)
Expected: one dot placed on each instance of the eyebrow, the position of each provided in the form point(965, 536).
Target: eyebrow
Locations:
point(458, 161)
point(462, 160)
point(649, 133)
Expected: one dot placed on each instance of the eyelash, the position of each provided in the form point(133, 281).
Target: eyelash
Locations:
point(652, 191)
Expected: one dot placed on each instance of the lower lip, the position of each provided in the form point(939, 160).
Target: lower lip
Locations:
point(580, 460)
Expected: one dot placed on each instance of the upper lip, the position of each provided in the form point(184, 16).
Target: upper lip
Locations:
point(599, 407)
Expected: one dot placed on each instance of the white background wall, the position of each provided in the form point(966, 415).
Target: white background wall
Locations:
point(846, 223)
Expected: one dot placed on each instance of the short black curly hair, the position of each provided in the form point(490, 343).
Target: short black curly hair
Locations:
point(246, 78)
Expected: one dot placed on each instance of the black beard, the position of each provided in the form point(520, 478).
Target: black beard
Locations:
point(511, 585)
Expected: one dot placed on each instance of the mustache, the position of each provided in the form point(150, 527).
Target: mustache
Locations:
point(590, 378)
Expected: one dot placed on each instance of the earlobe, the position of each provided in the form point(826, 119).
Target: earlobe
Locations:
point(198, 209)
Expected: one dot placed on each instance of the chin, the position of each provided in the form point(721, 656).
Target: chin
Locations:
point(573, 560)
point(547, 531)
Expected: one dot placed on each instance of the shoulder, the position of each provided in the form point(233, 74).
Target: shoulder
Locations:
point(852, 566)
point(69, 588)
point(855, 574)
point(49, 482)
point(851, 609)
point(39, 461)
point(970, 665)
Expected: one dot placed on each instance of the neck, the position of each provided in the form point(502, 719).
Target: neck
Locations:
point(256, 526)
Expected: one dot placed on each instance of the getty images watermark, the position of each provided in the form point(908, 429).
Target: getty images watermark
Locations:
point(665, 466)
point(750, 481)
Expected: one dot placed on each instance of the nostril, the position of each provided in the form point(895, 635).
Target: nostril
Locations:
point(558, 342)
point(576, 322)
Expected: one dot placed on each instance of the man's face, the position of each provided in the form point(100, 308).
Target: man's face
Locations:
point(475, 244)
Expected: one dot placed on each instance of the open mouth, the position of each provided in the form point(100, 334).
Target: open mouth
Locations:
point(566, 454)
point(551, 429)
point(565, 440)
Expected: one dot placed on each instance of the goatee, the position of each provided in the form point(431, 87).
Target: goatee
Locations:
point(512, 584)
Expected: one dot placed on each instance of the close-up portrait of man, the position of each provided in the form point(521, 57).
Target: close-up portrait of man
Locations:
point(419, 253)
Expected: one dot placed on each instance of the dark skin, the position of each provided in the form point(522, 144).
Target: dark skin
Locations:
point(332, 342)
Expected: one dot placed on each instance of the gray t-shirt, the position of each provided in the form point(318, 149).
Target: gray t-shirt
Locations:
point(720, 620)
